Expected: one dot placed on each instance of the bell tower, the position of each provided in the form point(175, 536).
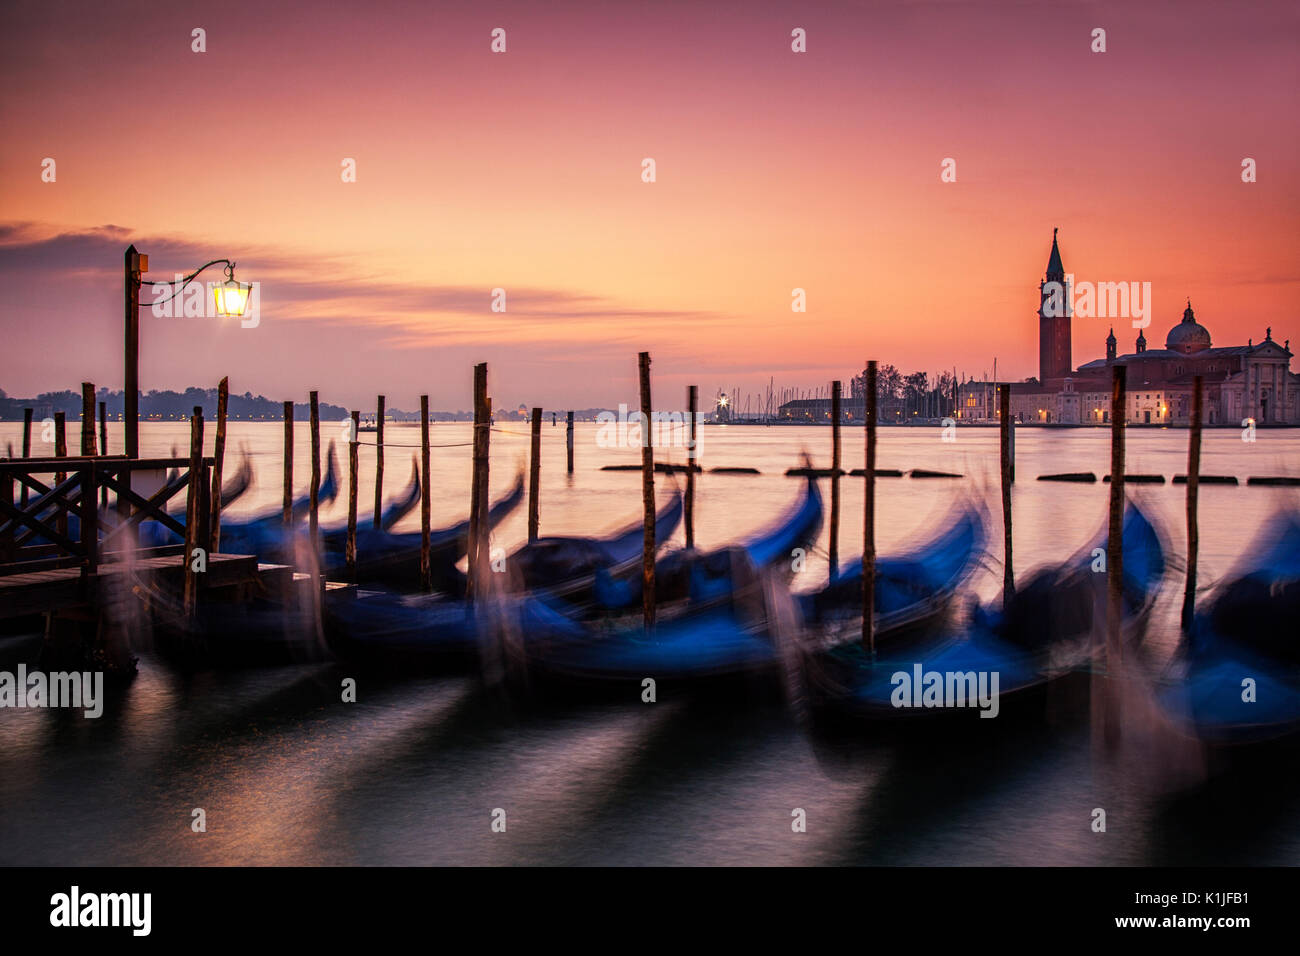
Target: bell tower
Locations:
point(1055, 356)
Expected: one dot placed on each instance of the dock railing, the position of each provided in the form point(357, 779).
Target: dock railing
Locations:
point(39, 535)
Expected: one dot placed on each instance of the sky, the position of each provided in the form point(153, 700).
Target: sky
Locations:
point(522, 170)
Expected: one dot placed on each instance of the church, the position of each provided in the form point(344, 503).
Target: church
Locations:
point(1241, 382)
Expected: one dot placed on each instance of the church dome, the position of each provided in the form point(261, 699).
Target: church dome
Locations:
point(1188, 335)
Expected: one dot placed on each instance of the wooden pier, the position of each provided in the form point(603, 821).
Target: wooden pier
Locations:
point(47, 570)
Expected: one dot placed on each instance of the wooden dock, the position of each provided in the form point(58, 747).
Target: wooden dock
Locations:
point(58, 589)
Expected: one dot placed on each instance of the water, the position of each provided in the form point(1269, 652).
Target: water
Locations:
point(411, 773)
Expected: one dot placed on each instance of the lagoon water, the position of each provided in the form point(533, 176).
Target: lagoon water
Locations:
point(412, 772)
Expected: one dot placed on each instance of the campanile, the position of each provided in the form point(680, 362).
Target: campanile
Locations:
point(1055, 358)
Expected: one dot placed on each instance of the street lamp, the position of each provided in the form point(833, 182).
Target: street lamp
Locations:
point(231, 299)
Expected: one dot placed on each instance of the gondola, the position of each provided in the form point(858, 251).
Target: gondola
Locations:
point(334, 539)
point(1046, 632)
point(741, 619)
point(704, 576)
point(1235, 679)
point(913, 590)
point(396, 623)
point(567, 567)
point(392, 560)
point(266, 535)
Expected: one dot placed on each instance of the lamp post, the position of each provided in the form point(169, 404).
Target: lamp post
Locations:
point(230, 299)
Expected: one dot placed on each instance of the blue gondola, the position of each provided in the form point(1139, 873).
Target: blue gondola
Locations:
point(1046, 632)
point(692, 575)
point(913, 590)
point(1245, 632)
point(751, 625)
point(264, 536)
point(391, 623)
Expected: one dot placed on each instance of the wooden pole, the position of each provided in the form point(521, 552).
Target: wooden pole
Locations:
point(87, 419)
point(313, 511)
point(350, 552)
point(482, 422)
point(61, 451)
point(568, 439)
point(288, 464)
point(103, 450)
point(192, 512)
point(834, 558)
point(131, 354)
point(647, 497)
point(692, 403)
point(379, 465)
point(1193, 490)
point(869, 520)
point(426, 571)
point(1004, 429)
point(534, 477)
point(219, 461)
point(484, 503)
point(27, 444)
point(1115, 541)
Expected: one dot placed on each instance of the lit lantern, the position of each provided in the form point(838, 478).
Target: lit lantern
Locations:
point(231, 297)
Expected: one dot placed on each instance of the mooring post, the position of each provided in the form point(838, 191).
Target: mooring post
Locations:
point(379, 465)
point(426, 480)
point(1115, 536)
point(103, 450)
point(568, 439)
point(1004, 428)
point(1193, 489)
point(481, 548)
point(313, 509)
point(134, 265)
point(478, 483)
point(869, 520)
point(350, 551)
point(190, 561)
point(27, 445)
point(647, 497)
point(219, 460)
point(692, 404)
point(288, 464)
point(834, 556)
point(1012, 443)
point(87, 419)
point(61, 451)
point(534, 477)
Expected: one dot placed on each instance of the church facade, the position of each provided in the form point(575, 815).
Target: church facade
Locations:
point(1251, 382)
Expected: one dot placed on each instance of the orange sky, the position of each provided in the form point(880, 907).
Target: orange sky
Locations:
point(522, 170)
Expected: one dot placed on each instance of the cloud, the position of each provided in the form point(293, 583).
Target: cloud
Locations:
point(315, 289)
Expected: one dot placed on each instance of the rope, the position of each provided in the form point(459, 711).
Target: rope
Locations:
point(462, 444)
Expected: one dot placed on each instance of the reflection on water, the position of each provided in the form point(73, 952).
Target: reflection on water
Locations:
point(412, 772)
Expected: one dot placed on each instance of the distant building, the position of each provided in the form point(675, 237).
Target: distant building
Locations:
point(1240, 381)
